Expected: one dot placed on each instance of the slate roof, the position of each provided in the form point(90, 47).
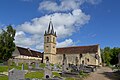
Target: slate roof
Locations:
point(78, 49)
point(50, 30)
point(29, 52)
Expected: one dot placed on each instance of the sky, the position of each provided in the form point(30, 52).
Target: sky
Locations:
point(77, 22)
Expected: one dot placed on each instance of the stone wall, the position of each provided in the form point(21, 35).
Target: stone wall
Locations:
point(71, 59)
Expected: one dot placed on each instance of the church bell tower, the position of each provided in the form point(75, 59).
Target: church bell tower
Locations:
point(49, 43)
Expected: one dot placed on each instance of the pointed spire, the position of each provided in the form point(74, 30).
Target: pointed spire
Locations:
point(45, 32)
point(55, 34)
point(50, 29)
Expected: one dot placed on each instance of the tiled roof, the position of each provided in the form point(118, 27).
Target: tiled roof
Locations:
point(29, 52)
point(78, 49)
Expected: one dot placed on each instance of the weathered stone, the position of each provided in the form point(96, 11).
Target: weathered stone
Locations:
point(16, 74)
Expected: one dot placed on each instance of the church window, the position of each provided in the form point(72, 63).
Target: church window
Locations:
point(47, 58)
point(47, 46)
point(80, 55)
point(82, 61)
point(88, 60)
point(54, 40)
point(47, 39)
point(53, 46)
point(64, 56)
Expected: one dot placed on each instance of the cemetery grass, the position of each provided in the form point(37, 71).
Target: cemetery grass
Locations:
point(3, 77)
point(38, 75)
point(42, 65)
point(56, 74)
point(5, 67)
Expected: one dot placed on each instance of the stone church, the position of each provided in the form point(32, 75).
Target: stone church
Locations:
point(88, 55)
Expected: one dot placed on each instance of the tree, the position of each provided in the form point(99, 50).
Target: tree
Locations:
point(106, 55)
point(110, 55)
point(114, 56)
point(7, 45)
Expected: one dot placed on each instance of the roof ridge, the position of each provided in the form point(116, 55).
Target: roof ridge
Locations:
point(79, 46)
point(28, 48)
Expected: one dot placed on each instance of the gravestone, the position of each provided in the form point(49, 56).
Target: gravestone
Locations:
point(30, 66)
point(47, 70)
point(47, 73)
point(48, 65)
point(14, 74)
point(22, 67)
point(16, 63)
point(55, 67)
point(37, 66)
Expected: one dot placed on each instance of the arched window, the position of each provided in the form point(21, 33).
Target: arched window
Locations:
point(53, 39)
point(80, 55)
point(82, 61)
point(64, 56)
point(47, 39)
point(88, 60)
point(47, 58)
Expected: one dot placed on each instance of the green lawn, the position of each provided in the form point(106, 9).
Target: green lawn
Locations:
point(38, 75)
point(3, 77)
point(56, 74)
point(69, 79)
point(5, 68)
point(42, 65)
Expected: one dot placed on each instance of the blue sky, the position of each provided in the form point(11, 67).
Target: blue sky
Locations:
point(77, 23)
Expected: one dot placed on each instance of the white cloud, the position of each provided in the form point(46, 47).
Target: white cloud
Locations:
point(21, 39)
point(66, 43)
point(32, 33)
point(64, 5)
point(93, 1)
point(64, 23)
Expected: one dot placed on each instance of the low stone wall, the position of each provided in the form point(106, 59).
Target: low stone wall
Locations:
point(28, 61)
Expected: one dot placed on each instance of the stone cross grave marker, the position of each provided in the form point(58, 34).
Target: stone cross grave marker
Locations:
point(22, 67)
point(47, 73)
point(47, 70)
point(55, 67)
point(14, 74)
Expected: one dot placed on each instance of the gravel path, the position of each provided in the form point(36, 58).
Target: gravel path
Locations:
point(103, 73)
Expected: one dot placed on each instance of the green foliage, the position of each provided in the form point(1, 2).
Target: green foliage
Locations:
point(110, 55)
point(7, 45)
point(81, 73)
point(38, 75)
point(114, 56)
